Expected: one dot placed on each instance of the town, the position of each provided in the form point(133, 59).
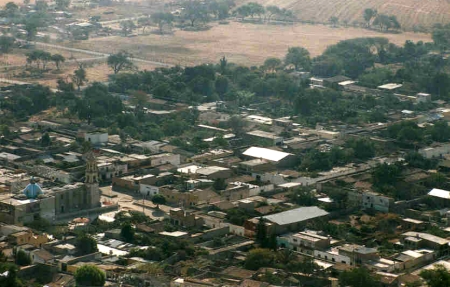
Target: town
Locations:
point(309, 168)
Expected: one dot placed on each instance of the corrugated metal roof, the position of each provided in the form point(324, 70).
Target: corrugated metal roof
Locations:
point(296, 215)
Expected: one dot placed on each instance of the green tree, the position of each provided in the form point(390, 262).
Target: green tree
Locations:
point(161, 19)
point(272, 11)
point(127, 232)
point(437, 277)
point(127, 27)
point(11, 280)
point(22, 258)
point(194, 10)
point(299, 57)
point(272, 64)
point(11, 9)
point(158, 199)
point(261, 233)
point(58, 59)
point(89, 276)
point(358, 277)
point(144, 23)
point(219, 184)
point(46, 140)
point(255, 9)
point(86, 244)
point(441, 37)
point(79, 77)
point(258, 258)
point(120, 61)
point(334, 21)
point(386, 174)
point(6, 43)
point(369, 14)
point(62, 4)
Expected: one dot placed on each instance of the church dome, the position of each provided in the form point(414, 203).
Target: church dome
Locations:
point(32, 190)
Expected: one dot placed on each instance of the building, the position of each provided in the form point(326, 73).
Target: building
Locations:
point(278, 158)
point(286, 221)
point(164, 158)
point(306, 241)
point(51, 203)
point(214, 172)
point(423, 98)
point(417, 240)
point(264, 138)
point(435, 151)
point(96, 138)
point(256, 165)
point(185, 218)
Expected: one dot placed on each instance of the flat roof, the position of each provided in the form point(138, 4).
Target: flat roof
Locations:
point(265, 153)
point(426, 236)
point(390, 86)
point(296, 215)
point(436, 192)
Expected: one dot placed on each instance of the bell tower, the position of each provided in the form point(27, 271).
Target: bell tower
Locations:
point(91, 180)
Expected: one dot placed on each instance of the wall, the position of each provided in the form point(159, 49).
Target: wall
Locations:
point(96, 138)
point(330, 256)
point(212, 233)
point(148, 190)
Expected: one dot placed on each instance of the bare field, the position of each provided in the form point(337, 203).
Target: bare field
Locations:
point(96, 72)
point(408, 12)
point(247, 44)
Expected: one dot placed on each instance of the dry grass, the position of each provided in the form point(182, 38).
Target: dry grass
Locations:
point(247, 44)
point(409, 12)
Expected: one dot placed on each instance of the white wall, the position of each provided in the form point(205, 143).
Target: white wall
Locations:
point(329, 257)
point(147, 189)
point(96, 138)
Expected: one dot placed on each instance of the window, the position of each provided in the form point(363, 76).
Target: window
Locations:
point(295, 240)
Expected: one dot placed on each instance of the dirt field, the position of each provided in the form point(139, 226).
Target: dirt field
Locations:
point(408, 12)
point(247, 44)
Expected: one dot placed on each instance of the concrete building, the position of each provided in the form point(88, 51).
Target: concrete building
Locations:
point(214, 172)
point(305, 241)
point(96, 138)
point(185, 218)
point(279, 158)
point(164, 158)
point(264, 138)
point(418, 240)
point(435, 151)
point(286, 221)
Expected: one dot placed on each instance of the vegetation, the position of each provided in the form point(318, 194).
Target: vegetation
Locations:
point(86, 244)
point(158, 199)
point(89, 275)
point(437, 277)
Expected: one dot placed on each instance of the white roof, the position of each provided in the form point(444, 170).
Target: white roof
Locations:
point(265, 153)
point(346, 83)
point(436, 192)
point(390, 86)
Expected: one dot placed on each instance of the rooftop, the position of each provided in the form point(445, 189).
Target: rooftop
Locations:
point(436, 192)
point(427, 237)
point(265, 153)
point(296, 215)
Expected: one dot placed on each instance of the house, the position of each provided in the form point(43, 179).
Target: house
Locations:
point(306, 241)
point(264, 138)
point(41, 256)
point(278, 158)
point(96, 138)
point(418, 240)
point(333, 82)
point(185, 218)
point(286, 221)
point(164, 158)
point(214, 172)
point(256, 165)
point(210, 155)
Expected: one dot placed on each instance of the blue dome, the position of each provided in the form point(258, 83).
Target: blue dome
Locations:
point(33, 190)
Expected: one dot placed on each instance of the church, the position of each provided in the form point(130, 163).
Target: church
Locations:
point(53, 203)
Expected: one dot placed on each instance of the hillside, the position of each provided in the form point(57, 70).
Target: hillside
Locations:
point(409, 12)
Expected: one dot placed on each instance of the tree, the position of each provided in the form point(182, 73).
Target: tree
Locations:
point(272, 10)
point(158, 199)
point(369, 14)
point(194, 10)
point(219, 184)
point(237, 125)
point(127, 232)
point(120, 61)
point(261, 233)
point(86, 244)
point(334, 21)
point(22, 258)
point(271, 64)
point(11, 9)
point(62, 4)
point(255, 9)
point(6, 43)
point(58, 59)
point(45, 140)
point(144, 22)
point(358, 277)
point(299, 57)
point(162, 19)
point(386, 174)
point(79, 77)
point(441, 37)
point(243, 11)
point(41, 5)
point(11, 280)
point(436, 277)
point(89, 276)
point(127, 27)
point(258, 258)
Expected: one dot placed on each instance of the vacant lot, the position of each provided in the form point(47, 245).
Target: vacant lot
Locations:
point(247, 44)
point(409, 12)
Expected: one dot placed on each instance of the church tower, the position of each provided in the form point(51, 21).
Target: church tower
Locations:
point(91, 180)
